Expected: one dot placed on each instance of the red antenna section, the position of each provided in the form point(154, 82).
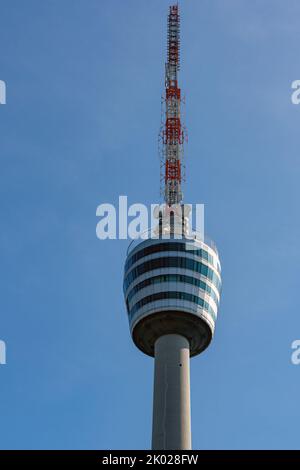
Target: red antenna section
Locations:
point(172, 132)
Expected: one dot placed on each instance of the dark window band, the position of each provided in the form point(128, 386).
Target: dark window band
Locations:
point(172, 295)
point(173, 278)
point(173, 262)
point(160, 247)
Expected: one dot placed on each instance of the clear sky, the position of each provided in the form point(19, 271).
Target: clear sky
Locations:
point(80, 126)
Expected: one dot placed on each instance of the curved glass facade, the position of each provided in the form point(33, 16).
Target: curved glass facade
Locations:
point(173, 262)
point(170, 286)
point(171, 246)
point(179, 278)
point(172, 295)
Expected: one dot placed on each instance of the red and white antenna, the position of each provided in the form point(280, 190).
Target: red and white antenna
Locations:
point(172, 132)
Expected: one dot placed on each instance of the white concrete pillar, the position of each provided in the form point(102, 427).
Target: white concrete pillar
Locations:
point(171, 401)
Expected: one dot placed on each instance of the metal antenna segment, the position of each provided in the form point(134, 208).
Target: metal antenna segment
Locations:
point(173, 134)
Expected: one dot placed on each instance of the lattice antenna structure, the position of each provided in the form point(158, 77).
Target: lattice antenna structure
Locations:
point(172, 133)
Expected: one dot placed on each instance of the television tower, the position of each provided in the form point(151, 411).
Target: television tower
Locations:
point(172, 279)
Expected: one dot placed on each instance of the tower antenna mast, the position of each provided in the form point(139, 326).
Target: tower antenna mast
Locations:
point(173, 133)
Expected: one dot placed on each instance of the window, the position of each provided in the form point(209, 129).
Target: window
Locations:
point(172, 262)
point(172, 295)
point(169, 246)
point(173, 278)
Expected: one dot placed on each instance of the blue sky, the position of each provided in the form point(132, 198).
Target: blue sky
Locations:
point(80, 126)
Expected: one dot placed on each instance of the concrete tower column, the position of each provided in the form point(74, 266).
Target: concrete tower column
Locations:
point(171, 401)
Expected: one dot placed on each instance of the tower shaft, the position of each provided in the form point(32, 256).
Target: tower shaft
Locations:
point(171, 404)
